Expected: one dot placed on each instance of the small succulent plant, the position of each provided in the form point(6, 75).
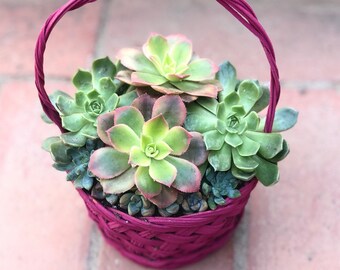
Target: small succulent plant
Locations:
point(233, 135)
point(194, 203)
point(217, 186)
point(73, 160)
point(147, 147)
point(168, 66)
point(96, 94)
point(135, 203)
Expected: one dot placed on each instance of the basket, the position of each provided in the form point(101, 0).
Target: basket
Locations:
point(161, 242)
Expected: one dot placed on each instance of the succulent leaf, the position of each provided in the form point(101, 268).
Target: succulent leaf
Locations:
point(83, 81)
point(108, 163)
point(156, 128)
point(105, 122)
point(138, 157)
point(172, 108)
point(221, 160)
point(285, 118)
point(249, 93)
point(130, 117)
point(227, 78)
point(197, 152)
point(270, 143)
point(188, 176)
point(178, 139)
point(123, 138)
point(162, 172)
point(166, 197)
point(145, 184)
point(119, 184)
point(267, 173)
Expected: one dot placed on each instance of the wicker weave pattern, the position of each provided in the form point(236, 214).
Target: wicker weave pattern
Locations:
point(168, 243)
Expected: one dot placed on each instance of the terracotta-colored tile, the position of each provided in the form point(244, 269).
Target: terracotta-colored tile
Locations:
point(44, 224)
point(296, 223)
point(71, 43)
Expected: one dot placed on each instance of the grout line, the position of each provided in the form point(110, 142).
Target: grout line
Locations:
point(30, 78)
point(95, 246)
point(102, 28)
point(311, 85)
point(240, 243)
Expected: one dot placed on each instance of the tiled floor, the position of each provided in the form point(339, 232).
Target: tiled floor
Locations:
point(293, 225)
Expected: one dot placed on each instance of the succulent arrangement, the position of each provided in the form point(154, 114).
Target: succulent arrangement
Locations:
point(164, 132)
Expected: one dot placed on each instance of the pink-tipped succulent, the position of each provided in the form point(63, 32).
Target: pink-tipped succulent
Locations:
point(147, 147)
point(168, 65)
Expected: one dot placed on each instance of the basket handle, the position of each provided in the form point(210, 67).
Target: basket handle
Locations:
point(240, 9)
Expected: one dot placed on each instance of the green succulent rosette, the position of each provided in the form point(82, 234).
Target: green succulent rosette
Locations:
point(233, 131)
point(147, 147)
point(96, 94)
point(168, 66)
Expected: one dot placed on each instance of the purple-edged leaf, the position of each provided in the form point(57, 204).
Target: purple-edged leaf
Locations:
point(197, 152)
point(187, 98)
point(167, 89)
point(119, 184)
point(123, 138)
point(131, 117)
point(106, 163)
point(156, 128)
point(176, 77)
point(172, 108)
point(144, 104)
point(164, 150)
point(197, 89)
point(125, 76)
point(135, 60)
point(221, 159)
point(162, 172)
point(105, 122)
point(149, 91)
point(178, 139)
point(156, 47)
point(138, 158)
point(145, 184)
point(180, 49)
point(167, 197)
point(188, 178)
point(201, 70)
point(147, 79)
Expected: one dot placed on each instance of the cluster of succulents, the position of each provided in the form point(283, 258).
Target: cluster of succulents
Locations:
point(165, 132)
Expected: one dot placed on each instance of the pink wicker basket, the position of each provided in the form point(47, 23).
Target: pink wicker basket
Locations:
point(157, 241)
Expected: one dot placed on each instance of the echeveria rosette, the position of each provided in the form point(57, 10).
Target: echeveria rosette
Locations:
point(73, 160)
point(168, 66)
point(233, 137)
point(96, 94)
point(149, 148)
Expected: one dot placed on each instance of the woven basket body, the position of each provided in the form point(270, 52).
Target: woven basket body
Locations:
point(168, 242)
point(157, 241)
